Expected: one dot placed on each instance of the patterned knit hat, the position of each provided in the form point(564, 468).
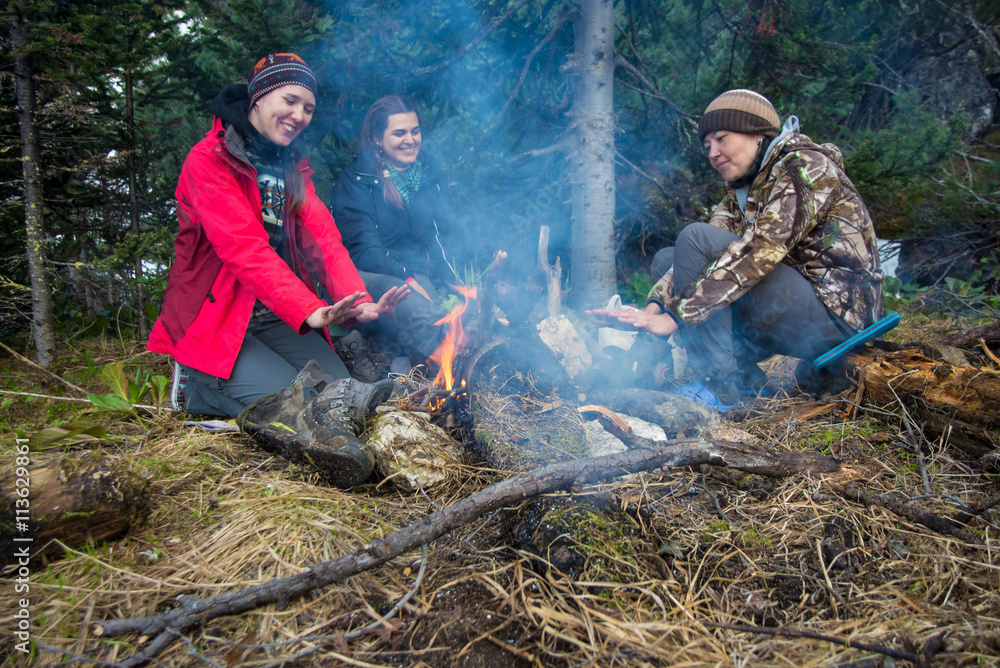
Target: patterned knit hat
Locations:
point(276, 70)
point(740, 110)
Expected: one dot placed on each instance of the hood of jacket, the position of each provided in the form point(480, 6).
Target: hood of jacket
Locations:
point(232, 107)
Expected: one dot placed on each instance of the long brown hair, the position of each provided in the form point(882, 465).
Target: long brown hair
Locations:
point(295, 189)
point(376, 122)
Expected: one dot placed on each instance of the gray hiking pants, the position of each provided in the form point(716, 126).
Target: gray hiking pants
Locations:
point(271, 356)
point(780, 315)
point(412, 323)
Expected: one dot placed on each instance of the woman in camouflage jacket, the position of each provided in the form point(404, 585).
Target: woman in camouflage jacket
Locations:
point(787, 264)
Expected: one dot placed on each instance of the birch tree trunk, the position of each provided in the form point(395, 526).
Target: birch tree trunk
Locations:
point(591, 158)
point(41, 292)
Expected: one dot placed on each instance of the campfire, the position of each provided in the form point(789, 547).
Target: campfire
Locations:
point(442, 395)
point(454, 341)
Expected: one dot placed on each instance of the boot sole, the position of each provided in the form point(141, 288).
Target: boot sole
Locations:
point(342, 462)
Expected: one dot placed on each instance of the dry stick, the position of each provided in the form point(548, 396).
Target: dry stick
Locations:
point(193, 612)
point(976, 509)
point(151, 409)
point(891, 502)
point(44, 370)
point(923, 659)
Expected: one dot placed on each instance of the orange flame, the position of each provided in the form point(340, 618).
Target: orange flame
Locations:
point(454, 340)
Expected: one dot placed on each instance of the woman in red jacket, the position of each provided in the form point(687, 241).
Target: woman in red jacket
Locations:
point(241, 316)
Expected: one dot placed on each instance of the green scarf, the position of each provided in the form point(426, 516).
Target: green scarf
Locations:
point(408, 182)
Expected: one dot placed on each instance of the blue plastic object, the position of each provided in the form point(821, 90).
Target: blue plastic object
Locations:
point(864, 336)
point(695, 391)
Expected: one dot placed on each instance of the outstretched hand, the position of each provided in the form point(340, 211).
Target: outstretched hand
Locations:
point(392, 298)
point(336, 314)
point(659, 324)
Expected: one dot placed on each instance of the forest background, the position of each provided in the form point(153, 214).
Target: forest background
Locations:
point(121, 92)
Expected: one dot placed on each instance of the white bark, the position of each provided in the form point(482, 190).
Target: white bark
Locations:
point(591, 158)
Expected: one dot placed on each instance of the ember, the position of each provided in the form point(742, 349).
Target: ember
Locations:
point(454, 341)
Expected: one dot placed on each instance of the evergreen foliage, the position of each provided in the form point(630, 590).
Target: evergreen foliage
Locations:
point(491, 80)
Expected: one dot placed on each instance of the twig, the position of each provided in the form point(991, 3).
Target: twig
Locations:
point(44, 370)
point(151, 409)
point(715, 500)
point(918, 659)
point(977, 509)
point(934, 522)
point(374, 626)
point(826, 578)
point(989, 353)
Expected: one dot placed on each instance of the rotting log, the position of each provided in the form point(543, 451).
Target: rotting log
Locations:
point(193, 612)
point(970, 338)
point(960, 402)
point(75, 498)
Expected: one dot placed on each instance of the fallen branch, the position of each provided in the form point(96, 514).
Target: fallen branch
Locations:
point(923, 659)
point(44, 370)
point(194, 612)
point(942, 525)
point(151, 409)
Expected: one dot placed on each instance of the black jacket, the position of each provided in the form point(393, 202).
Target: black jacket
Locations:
point(421, 239)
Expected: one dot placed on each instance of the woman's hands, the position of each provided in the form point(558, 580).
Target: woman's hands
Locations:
point(366, 312)
point(651, 319)
point(336, 314)
point(385, 306)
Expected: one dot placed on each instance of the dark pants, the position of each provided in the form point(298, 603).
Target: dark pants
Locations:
point(780, 315)
point(271, 356)
point(412, 323)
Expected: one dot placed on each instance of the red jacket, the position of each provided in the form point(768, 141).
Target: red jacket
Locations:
point(224, 262)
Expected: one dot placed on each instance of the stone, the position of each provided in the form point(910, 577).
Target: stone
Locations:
point(412, 453)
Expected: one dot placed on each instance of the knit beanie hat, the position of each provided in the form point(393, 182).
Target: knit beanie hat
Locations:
point(276, 70)
point(740, 110)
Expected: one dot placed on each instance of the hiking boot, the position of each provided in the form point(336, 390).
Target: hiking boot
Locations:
point(753, 380)
point(342, 408)
point(283, 406)
point(272, 423)
point(353, 351)
point(343, 459)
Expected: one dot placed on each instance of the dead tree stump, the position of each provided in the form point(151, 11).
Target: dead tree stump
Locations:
point(77, 498)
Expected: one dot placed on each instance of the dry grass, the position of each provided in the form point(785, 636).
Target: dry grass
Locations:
point(702, 549)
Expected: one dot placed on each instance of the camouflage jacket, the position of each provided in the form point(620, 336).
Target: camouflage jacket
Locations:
point(801, 210)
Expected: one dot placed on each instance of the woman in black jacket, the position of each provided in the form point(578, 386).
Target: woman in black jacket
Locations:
point(392, 208)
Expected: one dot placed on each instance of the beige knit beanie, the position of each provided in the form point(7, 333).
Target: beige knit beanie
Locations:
point(740, 110)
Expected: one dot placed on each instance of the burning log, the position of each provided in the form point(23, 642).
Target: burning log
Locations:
point(519, 419)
